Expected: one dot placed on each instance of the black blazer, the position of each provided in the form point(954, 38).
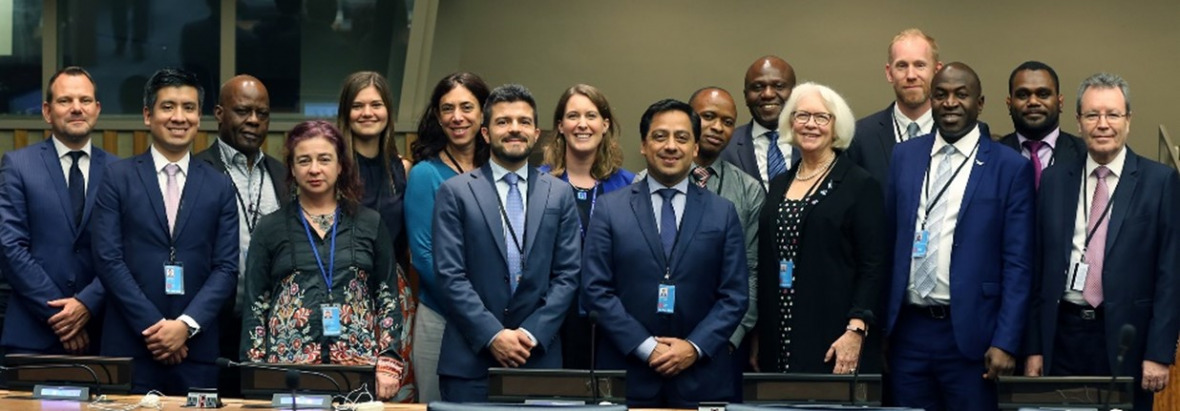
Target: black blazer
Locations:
point(872, 145)
point(1070, 148)
point(840, 269)
point(274, 170)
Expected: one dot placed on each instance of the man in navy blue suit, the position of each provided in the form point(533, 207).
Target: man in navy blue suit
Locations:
point(47, 195)
point(756, 147)
point(1109, 254)
point(664, 265)
point(960, 208)
point(913, 60)
point(507, 255)
point(165, 233)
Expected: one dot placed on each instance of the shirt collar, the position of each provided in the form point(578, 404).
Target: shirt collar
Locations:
point(1115, 166)
point(231, 156)
point(653, 185)
point(160, 161)
point(757, 129)
point(925, 121)
point(964, 146)
point(62, 150)
point(1050, 139)
point(499, 172)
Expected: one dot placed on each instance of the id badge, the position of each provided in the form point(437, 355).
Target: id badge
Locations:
point(174, 278)
point(786, 274)
point(330, 313)
point(921, 240)
point(1077, 275)
point(666, 303)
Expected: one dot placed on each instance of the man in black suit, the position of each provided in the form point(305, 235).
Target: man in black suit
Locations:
point(756, 147)
point(913, 60)
point(259, 180)
point(1034, 102)
point(1108, 254)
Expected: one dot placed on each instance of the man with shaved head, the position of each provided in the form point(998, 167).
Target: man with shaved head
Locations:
point(960, 209)
point(243, 119)
point(756, 148)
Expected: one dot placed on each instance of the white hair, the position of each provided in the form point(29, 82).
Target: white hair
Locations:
point(843, 121)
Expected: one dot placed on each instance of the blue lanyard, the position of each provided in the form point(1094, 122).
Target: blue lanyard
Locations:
point(330, 272)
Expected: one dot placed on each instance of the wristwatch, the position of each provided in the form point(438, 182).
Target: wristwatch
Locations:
point(859, 330)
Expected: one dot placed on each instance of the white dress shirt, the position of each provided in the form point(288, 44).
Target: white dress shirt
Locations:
point(1090, 182)
point(965, 150)
point(762, 146)
point(901, 123)
point(63, 154)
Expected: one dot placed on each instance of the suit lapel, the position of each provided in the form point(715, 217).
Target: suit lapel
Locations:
point(483, 186)
point(98, 163)
point(978, 170)
point(194, 184)
point(537, 201)
point(911, 179)
point(746, 152)
point(1065, 213)
point(641, 206)
point(151, 184)
point(53, 167)
point(1122, 197)
point(885, 137)
point(694, 205)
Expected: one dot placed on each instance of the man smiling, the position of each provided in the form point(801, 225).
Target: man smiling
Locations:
point(756, 148)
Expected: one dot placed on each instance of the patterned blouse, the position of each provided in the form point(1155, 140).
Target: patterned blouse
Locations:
point(285, 290)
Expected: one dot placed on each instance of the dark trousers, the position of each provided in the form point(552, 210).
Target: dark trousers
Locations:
point(455, 389)
point(1079, 348)
point(230, 378)
point(929, 372)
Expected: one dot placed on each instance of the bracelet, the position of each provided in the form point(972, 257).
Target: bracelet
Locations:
point(389, 366)
point(859, 331)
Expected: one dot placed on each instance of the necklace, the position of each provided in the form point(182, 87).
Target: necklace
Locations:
point(323, 221)
point(818, 170)
point(458, 167)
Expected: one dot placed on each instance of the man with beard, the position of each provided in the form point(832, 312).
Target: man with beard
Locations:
point(665, 268)
point(1034, 102)
point(756, 148)
point(960, 213)
point(259, 180)
point(46, 196)
point(913, 60)
point(507, 255)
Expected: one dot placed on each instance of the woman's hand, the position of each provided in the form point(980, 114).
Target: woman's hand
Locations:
point(846, 350)
point(389, 377)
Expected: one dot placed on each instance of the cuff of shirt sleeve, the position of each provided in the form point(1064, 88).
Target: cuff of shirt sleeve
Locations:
point(695, 347)
point(530, 335)
point(645, 348)
point(193, 327)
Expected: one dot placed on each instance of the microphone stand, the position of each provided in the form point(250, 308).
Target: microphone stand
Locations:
point(593, 346)
point(293, 385)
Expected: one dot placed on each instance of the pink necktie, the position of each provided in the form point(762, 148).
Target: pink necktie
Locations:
point(1096, 248)
point(1034, 149)
point(171, 195)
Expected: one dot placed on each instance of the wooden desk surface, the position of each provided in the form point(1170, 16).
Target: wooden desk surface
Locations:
point(22, 401)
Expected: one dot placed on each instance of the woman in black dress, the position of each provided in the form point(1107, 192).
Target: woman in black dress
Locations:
point(821, 247)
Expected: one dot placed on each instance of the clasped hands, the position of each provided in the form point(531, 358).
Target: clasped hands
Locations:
point(70, 324)
point(672, 356)
point(511, 348)
point(166, 339)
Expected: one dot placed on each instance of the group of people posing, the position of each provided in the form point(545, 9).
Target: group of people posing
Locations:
point(908, 242)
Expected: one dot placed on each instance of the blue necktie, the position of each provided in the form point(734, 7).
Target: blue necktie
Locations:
point(515, 211)
point(667, 221)
point(77, 186)
point(775, 163)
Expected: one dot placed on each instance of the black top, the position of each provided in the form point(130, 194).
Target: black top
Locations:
point(385, 196)
point(841, 257)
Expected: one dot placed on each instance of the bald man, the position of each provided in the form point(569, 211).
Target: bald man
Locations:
point(243, 119)
point(756, 148)
point(960, 210)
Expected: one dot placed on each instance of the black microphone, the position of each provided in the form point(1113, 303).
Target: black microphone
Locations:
point(93, 375)
point(593, 346)
point(1126, 337)
point(226, 363)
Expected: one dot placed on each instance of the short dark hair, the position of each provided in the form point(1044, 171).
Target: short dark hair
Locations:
point(665, 105)
point(171, 77)
point(508, 93)
point(1033, 65)
point(69, 71)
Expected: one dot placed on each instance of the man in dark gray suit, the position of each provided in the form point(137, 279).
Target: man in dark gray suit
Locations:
point(1034, 102)
point(913, 60)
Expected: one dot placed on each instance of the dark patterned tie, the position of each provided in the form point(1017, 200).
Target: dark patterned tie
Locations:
point(77, 186)
point(667, 221)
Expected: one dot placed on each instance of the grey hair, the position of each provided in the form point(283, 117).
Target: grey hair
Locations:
point(1105, 81)
point(843, 121)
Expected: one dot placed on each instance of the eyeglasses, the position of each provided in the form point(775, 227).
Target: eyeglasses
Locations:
point(1110, 117)
point(802, 117)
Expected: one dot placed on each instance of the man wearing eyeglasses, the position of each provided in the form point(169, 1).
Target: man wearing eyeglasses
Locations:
point(960, 209)
point(1035, 102)
point(1109, 254)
